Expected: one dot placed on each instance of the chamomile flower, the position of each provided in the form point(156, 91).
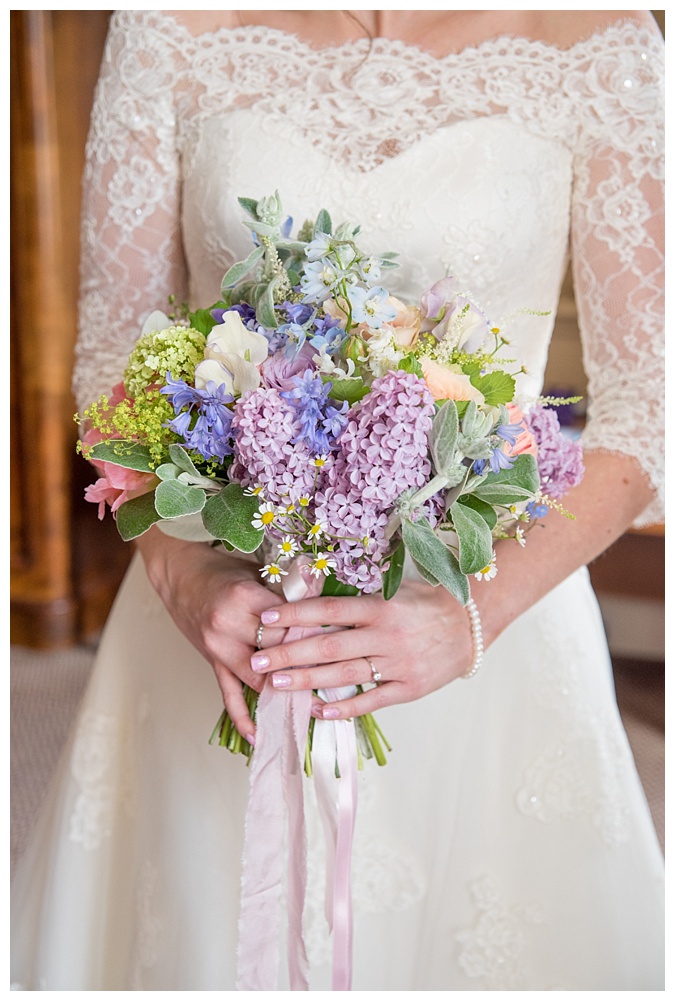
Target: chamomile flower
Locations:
point(274, 572)
point(320, 460)
point(520, 537)
point(488, 572)
point(265, 516)
point(287, 548)
point(256, 491)
point(304, 501)
point(323, 564)
point(317, 530)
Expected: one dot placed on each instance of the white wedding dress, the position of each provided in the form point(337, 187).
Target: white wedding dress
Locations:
point(507, 844)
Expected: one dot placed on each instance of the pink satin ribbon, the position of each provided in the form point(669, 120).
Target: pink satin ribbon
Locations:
point(275, 795)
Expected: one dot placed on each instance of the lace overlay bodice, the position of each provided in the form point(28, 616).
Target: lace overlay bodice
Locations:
point(491, 164)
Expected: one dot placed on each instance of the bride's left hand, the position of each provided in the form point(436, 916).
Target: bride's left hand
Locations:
point(417, 642)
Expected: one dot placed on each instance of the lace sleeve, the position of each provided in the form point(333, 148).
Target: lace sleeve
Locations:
point(617, 244)
point(131, 252)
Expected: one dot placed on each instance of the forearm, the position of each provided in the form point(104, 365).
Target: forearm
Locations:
point(611, 495)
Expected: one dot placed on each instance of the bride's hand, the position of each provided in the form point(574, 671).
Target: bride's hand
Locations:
point(216, 600)
point(417, 642)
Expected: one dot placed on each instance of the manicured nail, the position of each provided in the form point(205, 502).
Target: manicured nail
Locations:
point(317, 711)
point(251, 739)
point(259, 661)
point(330, 713)
point(269, 616)
point(280, 680)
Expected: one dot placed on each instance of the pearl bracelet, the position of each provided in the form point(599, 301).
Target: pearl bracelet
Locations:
point(476, 636)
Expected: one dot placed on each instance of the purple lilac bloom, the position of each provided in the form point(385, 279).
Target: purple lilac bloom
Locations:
point(382, 452)
point(560, 460)
point(265, 428)
point(210, 435)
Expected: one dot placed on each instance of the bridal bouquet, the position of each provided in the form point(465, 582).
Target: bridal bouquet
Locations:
point(316, 420)
point(310, 415)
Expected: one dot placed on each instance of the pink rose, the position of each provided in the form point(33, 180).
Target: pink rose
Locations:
point(444, 384)
point(278, 371)
point(525, 443)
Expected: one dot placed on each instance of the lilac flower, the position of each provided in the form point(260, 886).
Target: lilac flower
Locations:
point(381, 453)
point(265, 428)
point(210, 435)
point(560, 460)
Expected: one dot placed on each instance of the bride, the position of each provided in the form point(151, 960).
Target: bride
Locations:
point(507, 844)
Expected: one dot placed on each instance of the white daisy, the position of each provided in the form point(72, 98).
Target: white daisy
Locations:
point(287, 548)
point(265, 515)
point(274, 572)
point(488, 572)
point(323, 564)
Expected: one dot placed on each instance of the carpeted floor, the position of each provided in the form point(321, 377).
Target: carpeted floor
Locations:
point(46, 689)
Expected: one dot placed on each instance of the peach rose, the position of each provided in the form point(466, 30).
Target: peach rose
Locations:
point(525, 443)
point(116, 484)
point(406, 326)
point(444, 384)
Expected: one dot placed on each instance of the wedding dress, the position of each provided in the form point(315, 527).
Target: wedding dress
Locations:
point(507, 844)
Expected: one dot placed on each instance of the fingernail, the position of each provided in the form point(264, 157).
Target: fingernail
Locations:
point(317, 711)
point(251, 739)
point(269, 616)
point(330, 713)
point(259, 662)
point(280, 680)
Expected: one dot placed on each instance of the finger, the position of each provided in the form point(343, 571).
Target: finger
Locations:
point(327, 647)
point(329, 611)
point(388, 694)
point(235, 703)
point(339, 675)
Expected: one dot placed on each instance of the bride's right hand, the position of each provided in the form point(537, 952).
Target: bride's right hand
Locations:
point(215, 599)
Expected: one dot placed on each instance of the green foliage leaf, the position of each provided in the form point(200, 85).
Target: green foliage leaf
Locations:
point(174, 499)
point(392, 577)
point(241, 268)
point(496, 387)
point(265, 306)
point(332, 587)
point(181, 459)
point(136, 516)
point(410, 364)
point(510, 485)
point(475, 538)
point(323, 223)
point(228, 515)
point(128, 454)
point(202, 320)
point(443, 438)
point(486, 511)
point(249, 205)
point(350, 390)
point(167, 471)
point(434, 560)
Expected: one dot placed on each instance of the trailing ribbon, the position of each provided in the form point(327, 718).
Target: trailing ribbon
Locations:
point(275, 794)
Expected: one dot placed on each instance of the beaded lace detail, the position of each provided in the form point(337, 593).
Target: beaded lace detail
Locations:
point(179, 120)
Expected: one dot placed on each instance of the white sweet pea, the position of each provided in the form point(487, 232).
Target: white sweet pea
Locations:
point(232, 356)
point(157, 320)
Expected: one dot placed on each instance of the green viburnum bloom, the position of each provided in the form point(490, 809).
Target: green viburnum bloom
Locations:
point(176, 350)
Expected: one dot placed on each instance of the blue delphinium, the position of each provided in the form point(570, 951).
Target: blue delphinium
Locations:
point(370, 305)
